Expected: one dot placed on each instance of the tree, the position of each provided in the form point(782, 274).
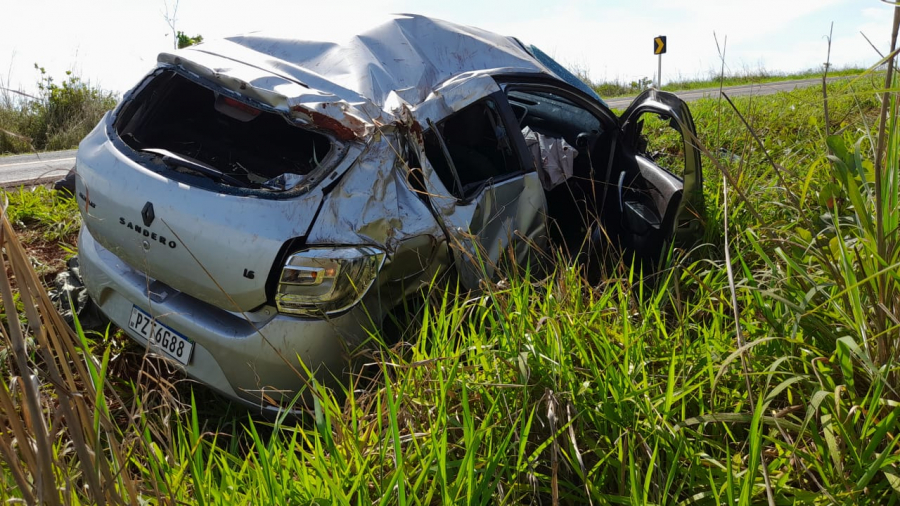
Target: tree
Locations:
point(179, 39)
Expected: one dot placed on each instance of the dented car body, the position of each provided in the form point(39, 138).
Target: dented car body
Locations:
point(257, 204)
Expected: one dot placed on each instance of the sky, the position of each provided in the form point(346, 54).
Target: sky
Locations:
point(113, 43)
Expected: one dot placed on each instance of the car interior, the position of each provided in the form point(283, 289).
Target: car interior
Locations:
point(616, 196)
point(477, 146)
point(200, 131)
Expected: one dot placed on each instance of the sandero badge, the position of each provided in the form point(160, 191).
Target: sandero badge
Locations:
point(312, 188)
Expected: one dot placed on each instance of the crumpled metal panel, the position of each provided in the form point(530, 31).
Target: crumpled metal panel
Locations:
point(350, 83)
point(347, 115)
point(452, 96)
point(373, 204)
point(407, 52)
point(508, 215)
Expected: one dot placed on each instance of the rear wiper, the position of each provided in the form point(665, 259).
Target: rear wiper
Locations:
point(172, 160)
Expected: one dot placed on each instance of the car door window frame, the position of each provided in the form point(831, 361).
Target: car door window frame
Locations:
point(533, 83)
point(689, 216)
point(632, 131)
point(521, 157)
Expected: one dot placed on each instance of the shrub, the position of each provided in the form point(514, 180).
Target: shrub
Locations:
point(186, 40)
point(57, 118)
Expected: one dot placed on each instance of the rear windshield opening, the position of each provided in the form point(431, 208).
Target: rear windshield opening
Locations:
point(200, 132)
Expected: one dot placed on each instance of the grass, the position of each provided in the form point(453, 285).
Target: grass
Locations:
point(778, 387)
point(614, 89)
point(44, 211)
point(47, 225)
point(757, 77)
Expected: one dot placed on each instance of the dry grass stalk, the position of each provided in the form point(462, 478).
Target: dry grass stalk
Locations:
point(52, 395)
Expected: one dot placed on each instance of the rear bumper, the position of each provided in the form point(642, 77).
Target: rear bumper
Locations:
point(244, 356)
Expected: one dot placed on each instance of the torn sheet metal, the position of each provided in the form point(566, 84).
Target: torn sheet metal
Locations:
point(453, 96)
point(373, 204)
point(348, 115)
point(407, 52)
point(509, 216)
point(284, 182)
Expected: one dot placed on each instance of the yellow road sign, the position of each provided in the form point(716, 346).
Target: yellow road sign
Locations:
point(659, 44)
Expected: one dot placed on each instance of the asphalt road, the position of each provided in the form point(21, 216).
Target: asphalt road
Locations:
point(42, 168)
point(732, 91)
point(35, 168)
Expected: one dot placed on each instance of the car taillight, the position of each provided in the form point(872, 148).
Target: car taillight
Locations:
point(321, 281)
point(236, 109)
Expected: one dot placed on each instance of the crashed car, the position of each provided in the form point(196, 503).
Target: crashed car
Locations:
point(257, 204)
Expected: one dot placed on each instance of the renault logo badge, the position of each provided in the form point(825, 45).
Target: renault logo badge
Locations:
point(147, 214)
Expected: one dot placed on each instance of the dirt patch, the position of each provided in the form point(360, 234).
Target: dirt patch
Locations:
point(48, 257)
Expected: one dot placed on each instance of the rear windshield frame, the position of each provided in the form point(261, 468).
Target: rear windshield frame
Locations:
point(153, 162)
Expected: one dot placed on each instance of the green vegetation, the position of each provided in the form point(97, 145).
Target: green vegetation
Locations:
point(613, 89)
point(43, 211)
point(57, 118)
point(186, 40)
point(758, 77)
point(688, 389)
point(47, 225)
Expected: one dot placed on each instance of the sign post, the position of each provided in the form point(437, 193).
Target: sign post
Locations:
point(659, 48)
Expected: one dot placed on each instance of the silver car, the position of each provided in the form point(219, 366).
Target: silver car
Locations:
point(257, 204)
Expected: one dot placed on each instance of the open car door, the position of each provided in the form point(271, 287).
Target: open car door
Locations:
point(675, 208)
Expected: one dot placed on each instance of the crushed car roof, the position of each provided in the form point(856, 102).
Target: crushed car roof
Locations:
point(407, 57)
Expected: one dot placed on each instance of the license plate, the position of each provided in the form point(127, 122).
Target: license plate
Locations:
point(160, 337)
